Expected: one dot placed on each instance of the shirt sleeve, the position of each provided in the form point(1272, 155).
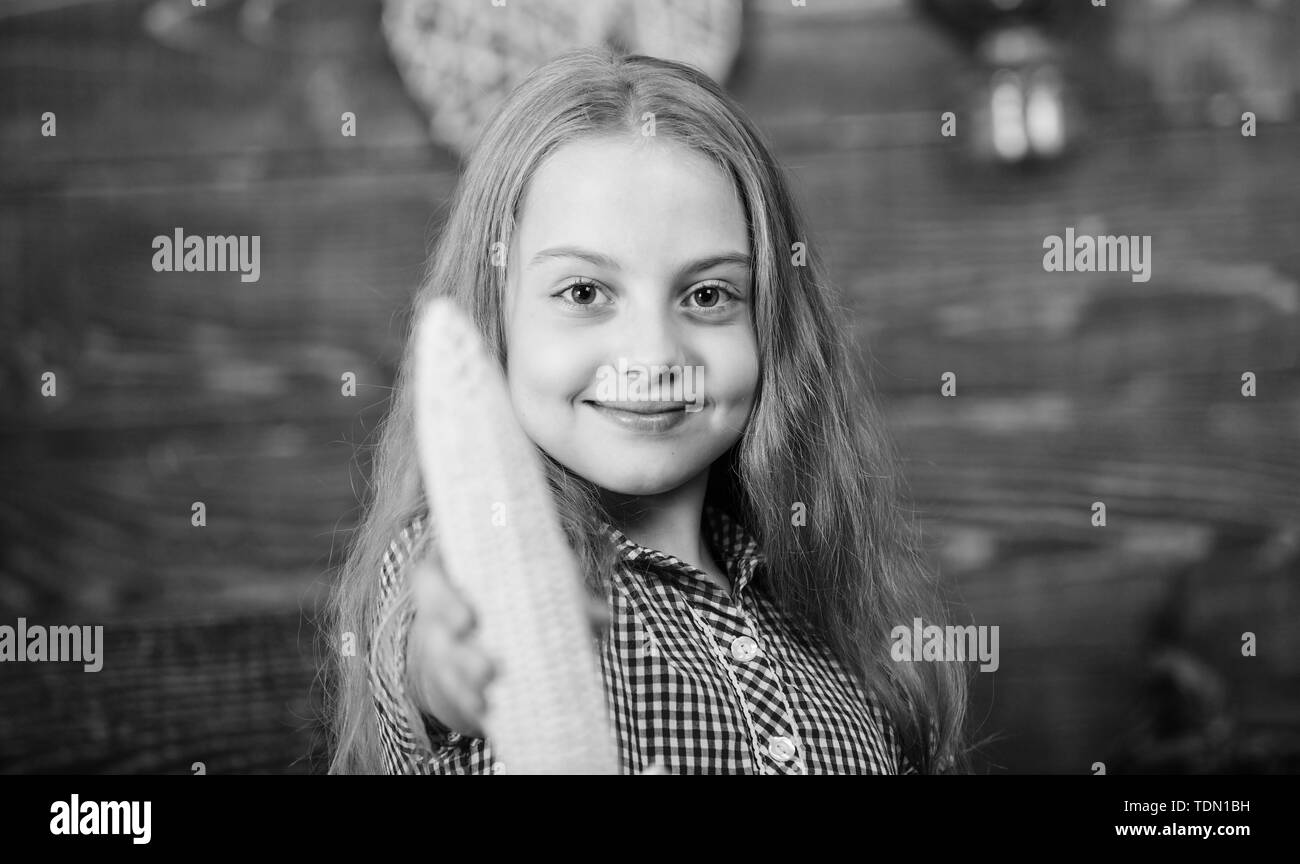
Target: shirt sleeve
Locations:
point(412, 741)
point(408, 737)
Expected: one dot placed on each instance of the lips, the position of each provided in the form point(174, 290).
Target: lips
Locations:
point(642, 417)
point(643, 407)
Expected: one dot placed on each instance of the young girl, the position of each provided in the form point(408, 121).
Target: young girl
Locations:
point(621, 215)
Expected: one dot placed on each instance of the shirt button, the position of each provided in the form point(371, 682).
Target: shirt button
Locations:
point(781, 749)
point(744, 649)
point(498, 767)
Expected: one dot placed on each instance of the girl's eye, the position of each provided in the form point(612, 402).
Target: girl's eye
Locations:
point(710, 296)
point(581, 293)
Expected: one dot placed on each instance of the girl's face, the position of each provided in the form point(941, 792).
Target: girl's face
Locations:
point(632, 358)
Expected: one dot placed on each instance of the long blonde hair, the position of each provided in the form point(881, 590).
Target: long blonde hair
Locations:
point(815, 438)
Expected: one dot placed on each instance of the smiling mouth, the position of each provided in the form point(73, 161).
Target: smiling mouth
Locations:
point(642, 417)
point(642, 407)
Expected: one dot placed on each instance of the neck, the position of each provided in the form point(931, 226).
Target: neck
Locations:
point(668, 522)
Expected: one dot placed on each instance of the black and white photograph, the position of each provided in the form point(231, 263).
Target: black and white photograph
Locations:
point(650, 387)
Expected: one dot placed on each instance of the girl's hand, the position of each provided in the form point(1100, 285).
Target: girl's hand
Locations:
point(448, 670)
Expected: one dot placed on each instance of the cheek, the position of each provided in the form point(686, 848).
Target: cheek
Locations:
point(731, 374)
point(543, 373)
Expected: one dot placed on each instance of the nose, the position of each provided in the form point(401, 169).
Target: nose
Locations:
point(652, 343)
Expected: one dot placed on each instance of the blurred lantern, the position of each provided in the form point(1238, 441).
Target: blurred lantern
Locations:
point(1022, 107)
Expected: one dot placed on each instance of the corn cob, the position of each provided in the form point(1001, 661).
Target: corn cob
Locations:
point(501, 544)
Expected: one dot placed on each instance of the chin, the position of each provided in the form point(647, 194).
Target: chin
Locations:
point(637, 484)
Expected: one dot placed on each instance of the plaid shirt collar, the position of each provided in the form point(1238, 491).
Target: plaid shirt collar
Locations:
point(733, 548)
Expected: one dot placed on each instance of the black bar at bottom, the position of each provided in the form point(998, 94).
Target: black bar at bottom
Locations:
point(215, 815)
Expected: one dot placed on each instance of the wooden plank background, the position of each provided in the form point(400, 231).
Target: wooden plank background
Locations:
point(175, 388)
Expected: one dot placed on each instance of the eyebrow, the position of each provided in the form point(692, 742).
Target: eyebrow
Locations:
point(604, 261)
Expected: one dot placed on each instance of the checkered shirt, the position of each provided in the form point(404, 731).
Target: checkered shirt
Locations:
point(697, 679)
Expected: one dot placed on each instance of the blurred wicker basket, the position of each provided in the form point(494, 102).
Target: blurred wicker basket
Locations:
point(459, 58)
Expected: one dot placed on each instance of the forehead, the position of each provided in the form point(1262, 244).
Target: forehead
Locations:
point(632, 198)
